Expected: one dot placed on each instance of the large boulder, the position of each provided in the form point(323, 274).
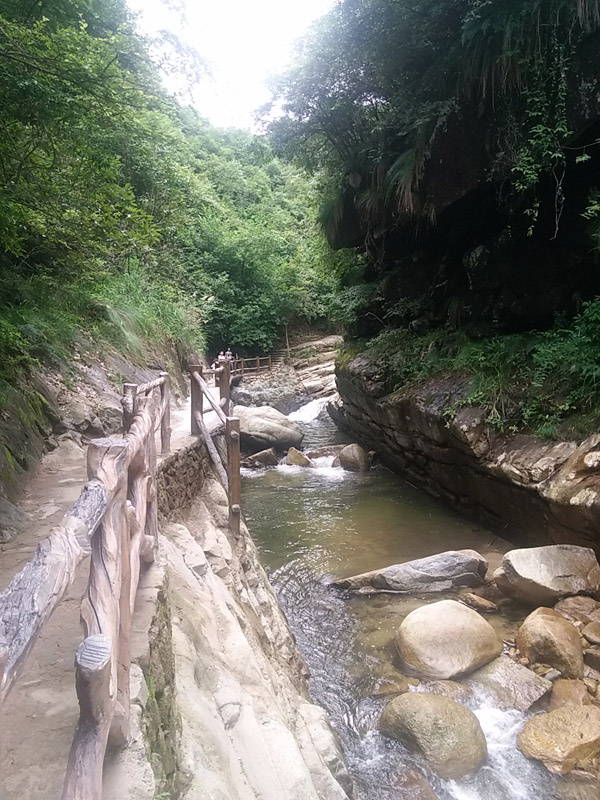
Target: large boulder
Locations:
point(567, 692)
point(265, 427)
point(542, 575)
point(562, 739)
point(295, 458)
point(546, 637)
point(509, 684)
point(264, 458)
point(430, 574)
point(447, 733)
point(446, 640)
point(354, 458)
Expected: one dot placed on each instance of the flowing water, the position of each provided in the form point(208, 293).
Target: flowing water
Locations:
point(312, 525)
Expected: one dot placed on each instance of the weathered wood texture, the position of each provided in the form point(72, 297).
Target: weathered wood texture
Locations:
point(251, 366)
point(232, 433)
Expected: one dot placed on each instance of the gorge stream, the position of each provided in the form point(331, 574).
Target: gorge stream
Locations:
point(313, 525)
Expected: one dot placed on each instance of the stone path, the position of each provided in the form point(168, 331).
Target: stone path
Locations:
point(41, 712)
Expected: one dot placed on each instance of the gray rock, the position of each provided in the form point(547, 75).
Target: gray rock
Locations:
point(354, 458)
point(13, 521)
point(542, 575)
point(328, 450)
point(562, 739)
point(436, 573)
point(546, 637)
point(265, 458)
point(446, 733)
point(446, 640)
point(509, 684)
point(264, 427)
point(297, 459)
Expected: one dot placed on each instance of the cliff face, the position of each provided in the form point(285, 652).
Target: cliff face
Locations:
point(534, 491)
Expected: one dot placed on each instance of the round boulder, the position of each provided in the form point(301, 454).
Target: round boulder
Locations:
point(546, 637)
point(447, 734)
point(446, 640)
point(354, 458)
point(265, 427)
point(542, 575)
point(563, 739)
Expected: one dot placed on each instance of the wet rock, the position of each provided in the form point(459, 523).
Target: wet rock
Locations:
point(324, 452)
point(450, 689)
point(548, 638)
point(436, 573)
point(265, 427)
point(447, 734)
point(591, 631)
point(568, 693)
point(354, 458)
point(446, 640)
point(577, 609)
point(478, 603)
point(297, 459)
point(509, 684)
point(264, 458)
point(413, 786)
point(13, 521)
point(562, 739)
point(542, 575)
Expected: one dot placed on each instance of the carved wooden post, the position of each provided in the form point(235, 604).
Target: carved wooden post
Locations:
point(225, 387)
point(3, 660)
point(93, 682)
point(128, 404)
point(232, 432)
point(165, 404)
point(100, 609)
point(196, 398)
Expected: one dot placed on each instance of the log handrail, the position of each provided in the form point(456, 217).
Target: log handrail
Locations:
point(228, 472)
point(115, 521)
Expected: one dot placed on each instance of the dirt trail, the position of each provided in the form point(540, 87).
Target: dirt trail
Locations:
point(41, 711)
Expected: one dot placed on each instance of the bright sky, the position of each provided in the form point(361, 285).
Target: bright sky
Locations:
point(243, 42)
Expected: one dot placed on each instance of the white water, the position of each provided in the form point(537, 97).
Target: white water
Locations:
point(310, 411)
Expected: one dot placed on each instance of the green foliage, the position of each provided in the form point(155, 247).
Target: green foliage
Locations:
point(532, 381)
point(127, 217)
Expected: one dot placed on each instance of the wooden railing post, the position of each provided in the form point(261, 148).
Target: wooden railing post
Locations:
point(3, 660)
point(225, 387)
point(257, 365)
point(232, 432)
point(270, 363)
point(196, 398)
point(128, 404)
point(165, 404)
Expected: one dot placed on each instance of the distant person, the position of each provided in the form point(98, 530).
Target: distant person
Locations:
point(221, 358)
point(229, 354)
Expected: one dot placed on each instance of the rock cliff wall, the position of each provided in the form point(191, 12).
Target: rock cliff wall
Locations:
point(535, 492)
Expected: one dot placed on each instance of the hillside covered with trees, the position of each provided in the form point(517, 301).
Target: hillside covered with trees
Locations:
point(461, 143)
point(124, 216)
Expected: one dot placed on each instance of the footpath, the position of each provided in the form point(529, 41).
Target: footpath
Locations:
point(41, 712)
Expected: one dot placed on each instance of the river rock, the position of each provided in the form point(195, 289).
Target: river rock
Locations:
point(265, 427)
point(325, 451)
point(297, 459)
point(13, 521)
point(562, 739)
point(430, 574)
point(577, 609)
point(446, 640)
point(547, 637)
point(447, 734)
point(591, 631)
point(264, 458)
point(475, 601)
point(542, 575)
point(413, 786)
point(567, 692)
point(354, 458)
point(450, 689)
point(509, 684)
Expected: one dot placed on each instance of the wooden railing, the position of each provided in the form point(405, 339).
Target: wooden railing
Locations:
point(230, 471)
point(115, 521)
point(251, 366)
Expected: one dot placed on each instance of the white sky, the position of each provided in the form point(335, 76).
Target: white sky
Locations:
point(243, 42)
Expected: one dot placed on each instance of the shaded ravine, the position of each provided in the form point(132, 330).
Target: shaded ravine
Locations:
point(314, 524)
